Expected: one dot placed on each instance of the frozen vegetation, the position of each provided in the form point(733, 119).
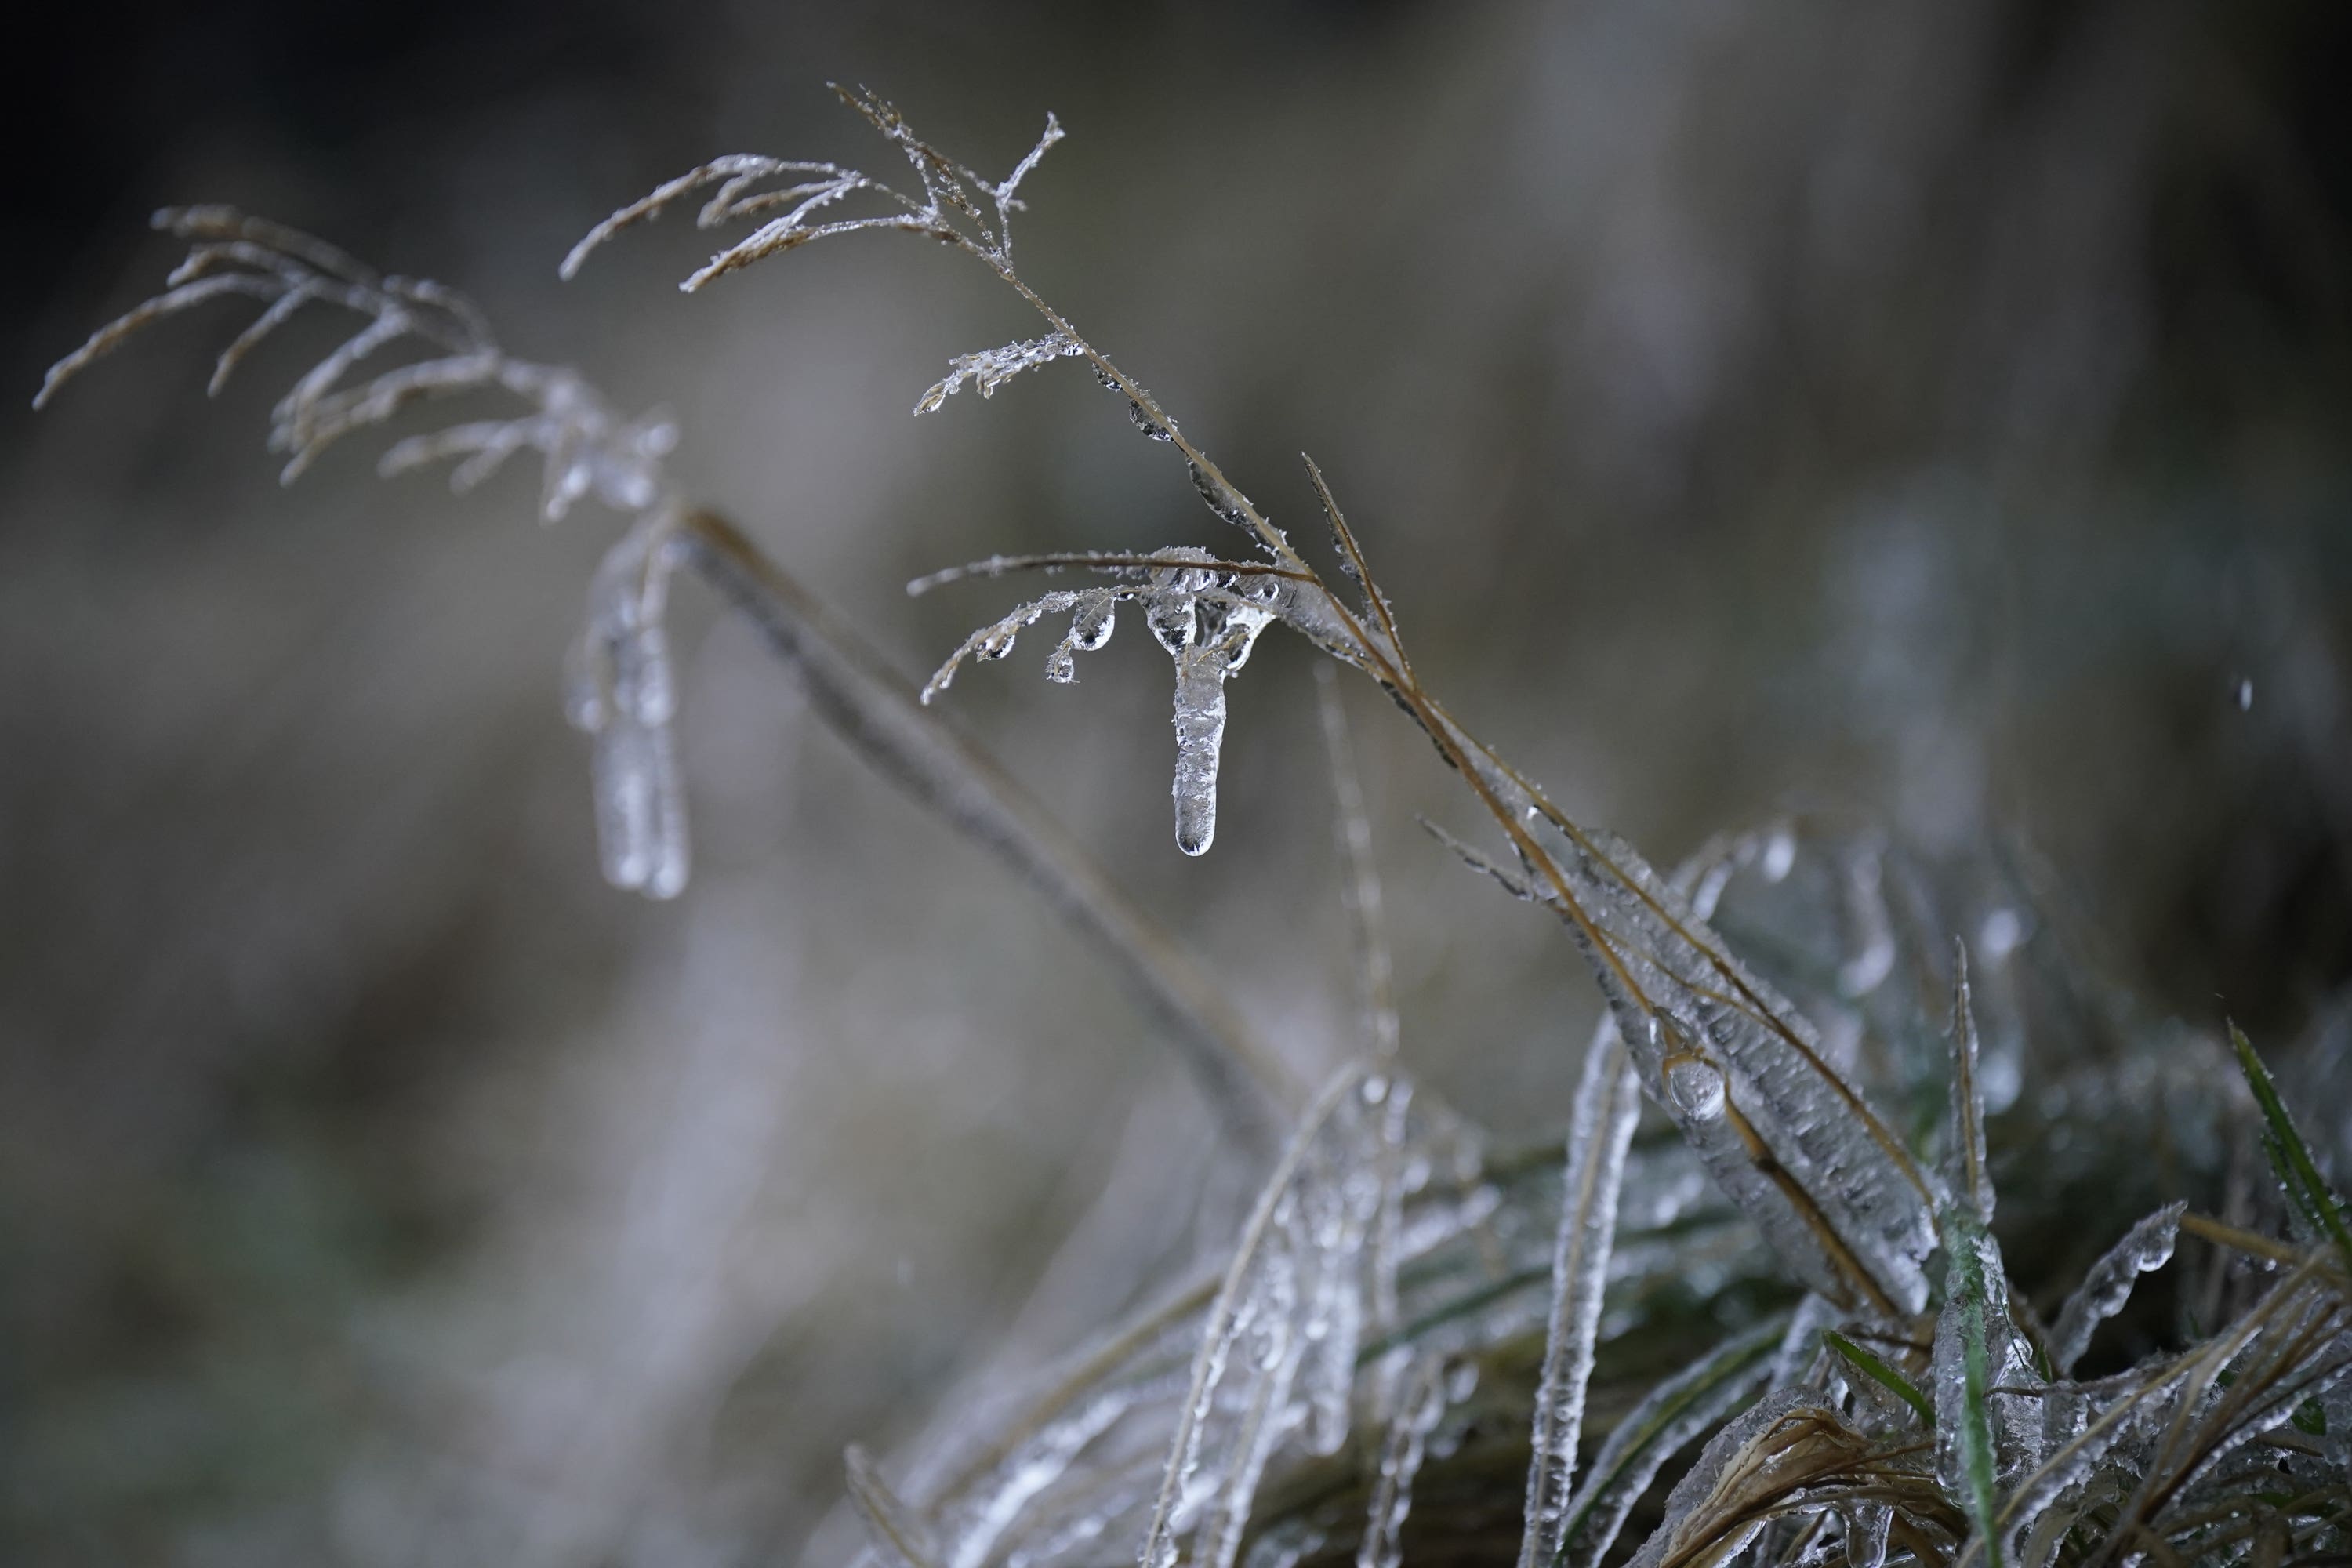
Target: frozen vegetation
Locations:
point(1756, 1307)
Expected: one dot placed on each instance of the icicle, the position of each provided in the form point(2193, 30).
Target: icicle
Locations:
point(1200, 670)
point(1401, 1456)
point(620, 690)
point(1608, 1104)
point(1200, 735)
point(2145, 1248)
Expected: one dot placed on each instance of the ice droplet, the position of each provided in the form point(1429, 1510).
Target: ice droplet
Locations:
point(1090, 625)
point(1696, 1085)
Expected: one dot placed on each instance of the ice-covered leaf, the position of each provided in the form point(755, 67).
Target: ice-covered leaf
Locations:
point(2309, 1197)
point(1974, 1352)
point(1402, 1448)
point(1289, 1311)
point(2147, 1246)
point(1965, 1166)
point(1790, 1137)
point(1608, 1103)
point(1874, 1368)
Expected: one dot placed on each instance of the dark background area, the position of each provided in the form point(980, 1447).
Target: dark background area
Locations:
point(1929, 416)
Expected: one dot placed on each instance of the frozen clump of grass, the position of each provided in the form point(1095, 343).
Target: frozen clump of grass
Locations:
point(1770, 1230)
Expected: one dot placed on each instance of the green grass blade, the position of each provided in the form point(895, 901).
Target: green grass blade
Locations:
point(1971, 1298)
point(1885, 1376)
point(2291, 1154)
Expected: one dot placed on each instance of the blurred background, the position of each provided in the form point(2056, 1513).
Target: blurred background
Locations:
point(1924, 414)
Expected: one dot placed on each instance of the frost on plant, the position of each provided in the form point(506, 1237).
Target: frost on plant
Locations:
point(1791, 1113)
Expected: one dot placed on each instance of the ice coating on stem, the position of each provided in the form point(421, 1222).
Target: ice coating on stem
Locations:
point(991, 368)
point(1802, 1345)
point(980, 1520)
point(2145, 1248)
point(1608, 1104)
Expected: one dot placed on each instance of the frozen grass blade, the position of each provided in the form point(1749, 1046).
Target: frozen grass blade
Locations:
point(1232, 1313)
point(2145, 1248)
point(2306, 1190)
point(1971, 1183)
point(1965, 1362)
point(1608, 1104)
point(1419, 1409)
point(1885, 1376)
